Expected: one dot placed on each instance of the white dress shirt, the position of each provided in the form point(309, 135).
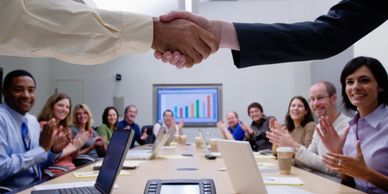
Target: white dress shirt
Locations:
point(312, 156)
point(70, 31)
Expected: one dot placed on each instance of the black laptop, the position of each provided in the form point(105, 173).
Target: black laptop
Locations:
point(111, 166)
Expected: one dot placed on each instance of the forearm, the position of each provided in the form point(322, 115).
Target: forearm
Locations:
point(69, 149)
point(378, 179)
point(228, 135)
point(18, 162)
point(71, 31)
point(312, 160)
point(86, 150)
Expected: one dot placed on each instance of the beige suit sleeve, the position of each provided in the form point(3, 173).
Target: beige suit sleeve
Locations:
point(71, 31)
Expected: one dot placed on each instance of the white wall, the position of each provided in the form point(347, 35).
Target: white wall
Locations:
point(39, 68)
point(374, 45)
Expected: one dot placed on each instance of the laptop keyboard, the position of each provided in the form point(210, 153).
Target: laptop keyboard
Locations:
point(79, 190)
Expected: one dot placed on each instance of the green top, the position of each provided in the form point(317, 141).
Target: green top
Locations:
point(105, 132)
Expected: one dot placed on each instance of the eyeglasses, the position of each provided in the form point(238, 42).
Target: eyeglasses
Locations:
point(318, 98)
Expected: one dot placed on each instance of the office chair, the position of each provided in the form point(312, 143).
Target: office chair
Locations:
point(5, 189)
point(83, 159)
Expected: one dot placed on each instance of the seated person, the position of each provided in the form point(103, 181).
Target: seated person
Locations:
point(323, 98)
point(255, 133)
point(170, 125)
point(360, 154)
point(234, 130)
point(299, 122)
point(128, 122)
point(95, 146)
point(110, 118)
point(24, 149)
point(57, 108)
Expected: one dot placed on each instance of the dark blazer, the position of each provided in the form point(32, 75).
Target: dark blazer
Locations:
point(344, 24)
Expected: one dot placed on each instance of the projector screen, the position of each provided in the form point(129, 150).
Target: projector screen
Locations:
point(197, 105)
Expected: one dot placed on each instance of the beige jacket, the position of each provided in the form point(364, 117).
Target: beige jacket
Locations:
point(70, 31)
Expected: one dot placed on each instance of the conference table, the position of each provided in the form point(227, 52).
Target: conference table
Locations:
point(175, 162)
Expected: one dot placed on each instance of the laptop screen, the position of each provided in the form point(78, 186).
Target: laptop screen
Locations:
point(113, 159)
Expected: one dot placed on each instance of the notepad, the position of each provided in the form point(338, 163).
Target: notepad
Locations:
point(127, 165)
point(272, 180)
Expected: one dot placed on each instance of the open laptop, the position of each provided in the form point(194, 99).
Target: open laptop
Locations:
point(111, 166)
point(244, 172)
point(147, 154)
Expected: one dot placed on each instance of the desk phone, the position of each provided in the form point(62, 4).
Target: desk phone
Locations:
point(174, 186)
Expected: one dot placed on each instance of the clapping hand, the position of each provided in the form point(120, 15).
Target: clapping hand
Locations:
point(351, 166)
point(329, 136)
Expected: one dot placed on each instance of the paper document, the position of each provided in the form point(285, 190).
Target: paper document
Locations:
point(173, 157)
point(271, 180)
point(261, 156)
point(127, 165)
point(286, 190)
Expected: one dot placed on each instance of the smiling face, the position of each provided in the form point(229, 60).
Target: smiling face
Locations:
point(232, 119)
point(168, 117)
point(20, 95)
point(297, 110)
point(82, 116)
point(322, 104)
point(255, 114)
point(362, 90)
point(130, 115)
point(112, 117)
point(61, 109)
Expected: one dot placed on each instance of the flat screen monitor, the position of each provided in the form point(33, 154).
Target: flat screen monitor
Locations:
point(198, 105)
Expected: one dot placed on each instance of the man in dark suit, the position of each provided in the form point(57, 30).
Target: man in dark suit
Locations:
point(256, 44)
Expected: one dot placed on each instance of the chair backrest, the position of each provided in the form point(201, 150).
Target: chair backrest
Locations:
point(150, 132)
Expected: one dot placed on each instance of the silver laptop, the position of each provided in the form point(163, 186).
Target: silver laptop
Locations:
point(111, 166)
point(244, 172)
point(147, 154)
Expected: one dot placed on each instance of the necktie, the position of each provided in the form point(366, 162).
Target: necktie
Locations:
point(26, 136)
point(27, 145)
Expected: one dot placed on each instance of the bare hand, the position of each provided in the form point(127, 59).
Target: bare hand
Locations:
point(181, 124)
point(176, 58)
point(99, 142)
point(186, 37)
point(47, 135)
point(221, 125)
point(144, 134)
point(329, 136)
point(61, 141)
point(248, 130)
point(81, 138)
point(281, 137)
point(354, 167)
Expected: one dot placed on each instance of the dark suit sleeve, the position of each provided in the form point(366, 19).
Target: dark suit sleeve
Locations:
point(344, 24)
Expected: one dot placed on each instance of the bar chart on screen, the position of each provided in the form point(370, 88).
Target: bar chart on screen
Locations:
point(194, 105)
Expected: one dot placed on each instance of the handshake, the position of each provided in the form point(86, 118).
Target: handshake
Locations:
point(184, 39)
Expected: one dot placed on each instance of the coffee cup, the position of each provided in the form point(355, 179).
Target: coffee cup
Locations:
point(284, 155)
point(198, 142)
point(182, 139)
point(213, 145)
point(177, 139)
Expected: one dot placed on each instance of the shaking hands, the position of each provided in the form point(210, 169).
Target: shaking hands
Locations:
point(184, 39)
